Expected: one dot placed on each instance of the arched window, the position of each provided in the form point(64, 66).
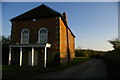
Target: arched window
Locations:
point(42, 35)
point(25, 36)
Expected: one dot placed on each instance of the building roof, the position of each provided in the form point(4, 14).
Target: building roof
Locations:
point(38, 12)
point(41, 11)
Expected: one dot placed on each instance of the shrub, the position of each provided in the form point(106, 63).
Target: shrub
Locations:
point(89, 53)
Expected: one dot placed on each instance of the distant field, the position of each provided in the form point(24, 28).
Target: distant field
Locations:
point(23, 71)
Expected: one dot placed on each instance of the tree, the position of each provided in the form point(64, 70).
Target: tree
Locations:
point(115, 43)
point(5, 49)
point(5, 41)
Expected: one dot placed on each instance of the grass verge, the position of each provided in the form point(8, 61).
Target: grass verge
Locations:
point(9, 72)
point(113, 70)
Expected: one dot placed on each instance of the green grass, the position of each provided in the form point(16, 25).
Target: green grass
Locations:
point(76, 61)
point(23, 71)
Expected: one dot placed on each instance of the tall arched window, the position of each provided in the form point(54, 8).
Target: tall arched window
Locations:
point(25, 36)
point(42, 35)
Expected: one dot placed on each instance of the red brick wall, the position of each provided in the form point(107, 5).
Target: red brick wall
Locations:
point(71, 44)
point(57, 34)
point(34, 27)
point(63, 41)
point(51, 24)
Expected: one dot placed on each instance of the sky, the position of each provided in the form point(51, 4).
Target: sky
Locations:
point(93, 23)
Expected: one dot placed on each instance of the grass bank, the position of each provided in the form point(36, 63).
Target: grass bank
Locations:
point(112, 60)
point(9, 72)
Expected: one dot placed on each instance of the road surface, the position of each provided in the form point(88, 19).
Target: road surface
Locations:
point(93, 69)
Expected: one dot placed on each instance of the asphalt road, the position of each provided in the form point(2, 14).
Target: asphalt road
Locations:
point(92, 69)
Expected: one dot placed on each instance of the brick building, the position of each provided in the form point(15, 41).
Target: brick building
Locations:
point(41, 37)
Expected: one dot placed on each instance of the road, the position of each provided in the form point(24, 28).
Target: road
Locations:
point(93, 69)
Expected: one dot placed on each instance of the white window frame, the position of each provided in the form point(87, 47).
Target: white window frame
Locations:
point(22, 36)
point(39, 35)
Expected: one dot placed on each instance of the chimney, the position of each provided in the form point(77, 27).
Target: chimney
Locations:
point(65, 18)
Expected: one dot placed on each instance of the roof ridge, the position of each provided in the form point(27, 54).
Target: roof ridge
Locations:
point(25, 12)
point(51, 8)
point(35, 9)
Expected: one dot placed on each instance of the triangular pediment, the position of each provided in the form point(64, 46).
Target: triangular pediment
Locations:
point(38, 12)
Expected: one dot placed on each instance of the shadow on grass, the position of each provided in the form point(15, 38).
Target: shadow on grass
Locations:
point(17, 72)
